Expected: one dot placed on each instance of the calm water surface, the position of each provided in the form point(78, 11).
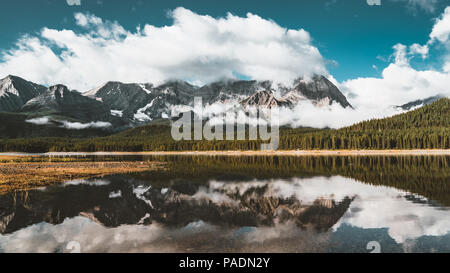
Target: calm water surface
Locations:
point(240, 204)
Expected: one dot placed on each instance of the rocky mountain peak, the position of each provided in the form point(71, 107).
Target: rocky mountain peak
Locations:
point(7, 87)
point(265, 98)
point(178, 84)
point(123, 98)
point(59, 90)
point(15, 92)
point(59, 99)
point(318, 88)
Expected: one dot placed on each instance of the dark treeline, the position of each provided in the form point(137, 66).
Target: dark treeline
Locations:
point(425, 128)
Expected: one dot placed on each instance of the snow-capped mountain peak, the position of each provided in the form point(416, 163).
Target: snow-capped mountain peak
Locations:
point(15, 92)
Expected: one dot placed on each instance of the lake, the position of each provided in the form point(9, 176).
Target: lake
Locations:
point(240, 204)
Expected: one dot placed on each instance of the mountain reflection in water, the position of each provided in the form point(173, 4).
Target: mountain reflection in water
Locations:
point(236, 211)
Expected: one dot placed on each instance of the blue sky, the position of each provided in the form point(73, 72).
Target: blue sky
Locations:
point(352, 33)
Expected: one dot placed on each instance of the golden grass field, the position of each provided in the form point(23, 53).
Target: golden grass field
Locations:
point(16, 176)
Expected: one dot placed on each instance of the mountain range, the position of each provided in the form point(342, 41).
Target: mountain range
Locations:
point(116, 106)
point(126, 105)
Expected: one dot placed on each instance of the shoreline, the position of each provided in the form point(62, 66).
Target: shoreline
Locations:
point(426, 152)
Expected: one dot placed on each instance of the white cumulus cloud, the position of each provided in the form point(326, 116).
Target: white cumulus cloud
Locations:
point(441, 30)
point(400, 82)
point(195, 47)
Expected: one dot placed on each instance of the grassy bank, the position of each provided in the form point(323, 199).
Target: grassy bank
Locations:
point(27, 175)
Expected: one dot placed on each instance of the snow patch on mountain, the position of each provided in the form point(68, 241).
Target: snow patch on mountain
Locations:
point(117, 113)
point(141, 115)
point(7, 88)
point(145, 89)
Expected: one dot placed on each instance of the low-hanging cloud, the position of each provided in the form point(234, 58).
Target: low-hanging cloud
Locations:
point(81, 126)
point(303, 114)
point(306, 114)
point(68, 124)
point(39, 121)
point(197, 48)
